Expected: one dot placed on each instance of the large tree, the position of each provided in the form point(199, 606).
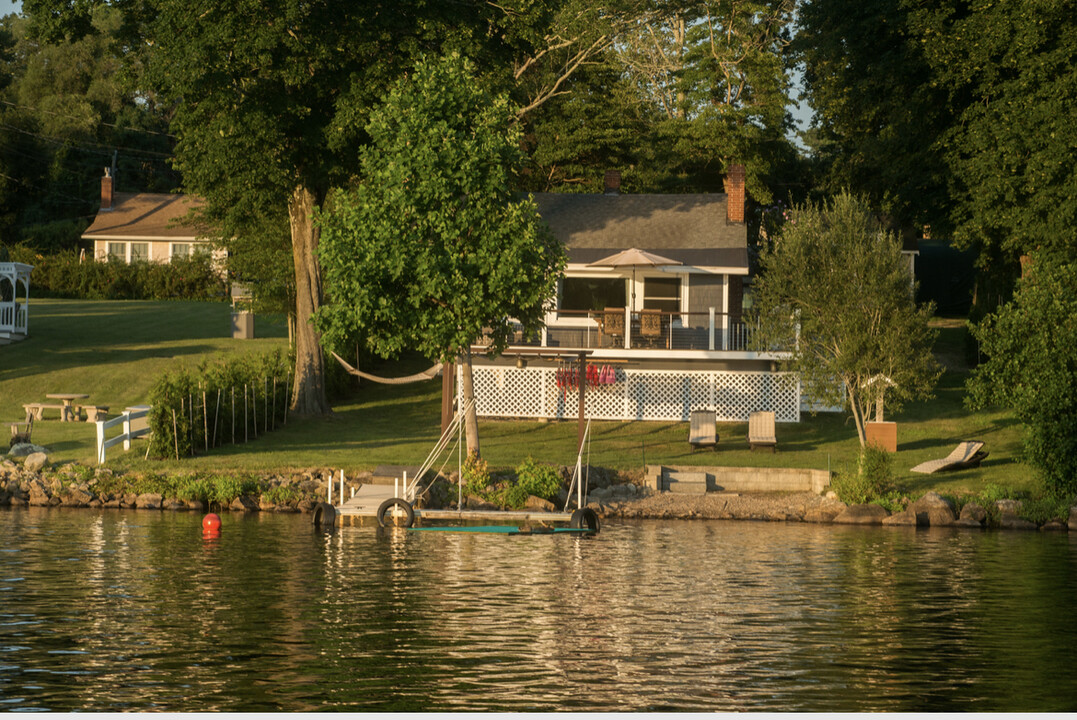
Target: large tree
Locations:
point(432, 250)
point(269, 103)
point(834, 291)
point(1031, 345)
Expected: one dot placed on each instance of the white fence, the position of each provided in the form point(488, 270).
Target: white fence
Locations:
point(128, 434)
point(636, 394)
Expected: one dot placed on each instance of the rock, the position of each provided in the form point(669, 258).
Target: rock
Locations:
point(18, 501)
point(174, 504)
point(35, 461)
point(863, 514)
point(974, 511)
point(39, 496)
point(1073, 518)
point(306, 505)
point(1053, 526)
point(907, 517)
point(824, 513)
point(1008, 506)
point(24, 449)
point(939, 510)
point(537, 503)
point(968, 522)
point(1011, 521)
point(77, 497)
point(130, 500)
point(195, 505)
point(831, 495)
point(148, 501)
point(112, 503)
point(244, 503)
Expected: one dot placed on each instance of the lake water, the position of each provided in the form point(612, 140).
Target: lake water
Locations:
point(133, 610)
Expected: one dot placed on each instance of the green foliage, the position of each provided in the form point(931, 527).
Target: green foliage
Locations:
point(227, 400)
point(281, 495)
point(1031, 346)
point(476, 473)
point(539, 480)
point(834, 290)
point(63, 275)
point(432, 250)
point(872, 481)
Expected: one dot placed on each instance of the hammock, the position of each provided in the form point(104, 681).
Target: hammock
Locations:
point(428, 374)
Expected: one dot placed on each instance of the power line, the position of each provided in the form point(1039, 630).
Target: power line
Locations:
point(76, 117)
point(84, 145)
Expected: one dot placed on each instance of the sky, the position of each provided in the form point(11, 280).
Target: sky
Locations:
point(9, 6)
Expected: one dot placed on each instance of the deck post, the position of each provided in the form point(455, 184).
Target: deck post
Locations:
point(710, 336)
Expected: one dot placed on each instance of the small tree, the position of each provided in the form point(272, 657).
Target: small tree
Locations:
point(834, 290)
point(1031, 344)
point(431, 250)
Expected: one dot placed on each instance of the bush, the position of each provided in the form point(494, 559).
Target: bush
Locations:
point(539, 480)
point(63, 275)
point(226, 400)
point(873, 480)
point(476, 475)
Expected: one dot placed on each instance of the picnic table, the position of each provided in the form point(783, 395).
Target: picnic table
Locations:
point(68, 412)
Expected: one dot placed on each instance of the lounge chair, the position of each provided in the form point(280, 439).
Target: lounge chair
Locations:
point(761, 431)
point(968, 454)
point(704, 432)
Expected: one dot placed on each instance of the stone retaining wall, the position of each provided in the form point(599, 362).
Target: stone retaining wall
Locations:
point(739, 479)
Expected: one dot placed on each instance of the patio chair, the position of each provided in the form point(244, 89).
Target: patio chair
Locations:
point(761, 431)
point(613, 322)
point(704, 432)
point(967, 454)
point(650, 326)
point(22, 432)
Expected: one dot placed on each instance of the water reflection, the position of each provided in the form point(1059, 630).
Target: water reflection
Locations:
point(122, 610)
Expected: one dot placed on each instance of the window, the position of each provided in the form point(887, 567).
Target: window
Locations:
point(181, 250)
point(140, 251)
point(117, 251)
point(585, 294)
point(662, 293)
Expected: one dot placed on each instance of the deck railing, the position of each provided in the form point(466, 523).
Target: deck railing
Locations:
point(647, 330)
point(12, 317)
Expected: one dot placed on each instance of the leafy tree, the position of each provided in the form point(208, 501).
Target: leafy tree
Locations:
point(1031, 344)
point(879, 117)
point(431, 250)
point(834, 290)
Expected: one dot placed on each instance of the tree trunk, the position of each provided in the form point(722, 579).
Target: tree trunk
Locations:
point(467, 397)
point(308, 392)
point(858, 416)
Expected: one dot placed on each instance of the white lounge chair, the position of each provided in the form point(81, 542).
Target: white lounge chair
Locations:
point(704, 432)
point(967, 454)
point(761, 431)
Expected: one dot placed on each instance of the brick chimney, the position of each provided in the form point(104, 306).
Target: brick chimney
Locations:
point(106, 190)
point(612, 183)
point(734, 190)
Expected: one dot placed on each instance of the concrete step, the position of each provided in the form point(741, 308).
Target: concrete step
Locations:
point(687, 483)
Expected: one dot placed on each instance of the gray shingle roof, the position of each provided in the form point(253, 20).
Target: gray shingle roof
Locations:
point(146, 215)
point(689, 228)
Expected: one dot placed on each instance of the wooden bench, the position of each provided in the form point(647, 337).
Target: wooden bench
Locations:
point(38, 409)
point(93, 412)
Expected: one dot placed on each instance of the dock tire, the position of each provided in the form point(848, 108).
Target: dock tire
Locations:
point(584, 518)
point(385, 519)
point(325, 516)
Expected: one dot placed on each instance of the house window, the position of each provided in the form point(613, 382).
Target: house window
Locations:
point(662, 293)
point(181, 250)
point(140, 251)
point(584, 294)
point(117, 251)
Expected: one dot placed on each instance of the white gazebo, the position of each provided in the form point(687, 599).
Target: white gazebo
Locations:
point(14, 305)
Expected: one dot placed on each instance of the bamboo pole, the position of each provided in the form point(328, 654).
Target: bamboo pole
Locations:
point(233, 414)
point(216, 416)
point(175, 430)
point(205, 423)
point(245, 436)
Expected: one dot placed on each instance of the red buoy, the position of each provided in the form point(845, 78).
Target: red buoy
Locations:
point(211, 524)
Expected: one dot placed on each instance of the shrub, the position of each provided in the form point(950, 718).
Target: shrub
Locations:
point(873, 480)
point(539, 480)
point(281, 495)
point(476, 475)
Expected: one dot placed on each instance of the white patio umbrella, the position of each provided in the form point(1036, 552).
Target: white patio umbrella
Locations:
point(634, 258)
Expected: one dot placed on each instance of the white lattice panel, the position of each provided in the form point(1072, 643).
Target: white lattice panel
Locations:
point(668, 395)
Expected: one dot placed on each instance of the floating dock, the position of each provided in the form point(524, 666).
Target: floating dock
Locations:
point(369, 498)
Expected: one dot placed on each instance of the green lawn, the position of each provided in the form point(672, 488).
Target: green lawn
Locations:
point(114, 350)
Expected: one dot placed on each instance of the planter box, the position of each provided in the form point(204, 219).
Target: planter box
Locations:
point(882, 435)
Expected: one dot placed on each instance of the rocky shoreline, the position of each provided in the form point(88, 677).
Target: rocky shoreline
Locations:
point(32, 482)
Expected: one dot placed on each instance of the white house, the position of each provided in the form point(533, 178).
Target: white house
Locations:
point(665, 339)
point(145, 226)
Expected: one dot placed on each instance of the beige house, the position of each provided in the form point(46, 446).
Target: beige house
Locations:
point(145, 226)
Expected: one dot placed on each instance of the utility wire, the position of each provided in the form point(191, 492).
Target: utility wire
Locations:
point(76, 117)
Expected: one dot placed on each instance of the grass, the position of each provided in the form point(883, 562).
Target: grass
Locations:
point(114, 350)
